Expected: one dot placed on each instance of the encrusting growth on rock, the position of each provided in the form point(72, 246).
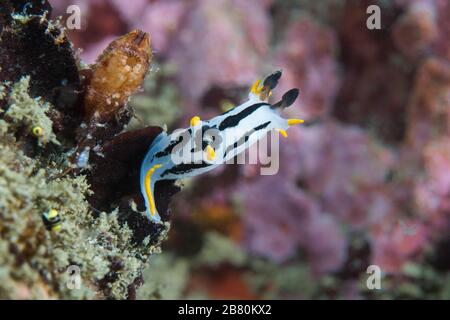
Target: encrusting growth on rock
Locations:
point(53, 214)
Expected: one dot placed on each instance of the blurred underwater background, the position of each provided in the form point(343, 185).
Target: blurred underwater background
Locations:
point(367, 182)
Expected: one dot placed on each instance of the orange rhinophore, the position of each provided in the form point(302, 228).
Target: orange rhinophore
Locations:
point(117, 74)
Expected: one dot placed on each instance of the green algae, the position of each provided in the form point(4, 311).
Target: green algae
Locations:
point(25, 111)
point(168, 274)
point(218, 250)
point(165, 278)
point(34, 262)
point(2, 91)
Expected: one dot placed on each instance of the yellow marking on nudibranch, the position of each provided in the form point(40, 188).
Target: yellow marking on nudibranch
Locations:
point(256, 88)
point(37, 131)
point(56, 228)
point(231, 129)
point(292, 122)
point(210, 153)
point(195, 121)
point(52, 220)
point(148, 190)
point(283, 132)
point(52, 214)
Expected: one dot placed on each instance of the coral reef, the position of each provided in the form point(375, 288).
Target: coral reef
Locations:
point(364, 182)
point(309, 64)
point(52, 116)
point(24, 111)
point(35, 261)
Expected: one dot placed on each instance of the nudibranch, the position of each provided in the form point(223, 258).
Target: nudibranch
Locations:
point(206, 144)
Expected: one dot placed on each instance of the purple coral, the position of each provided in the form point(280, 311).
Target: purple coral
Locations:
point(338, 171)
point(306, 55)
point(288, 221)
point(208, 26)
point(344, 167)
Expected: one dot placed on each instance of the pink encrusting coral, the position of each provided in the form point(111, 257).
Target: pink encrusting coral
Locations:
point(275, 228)
point(290, 221)
point(433, 189)
point(396, 243)
point(428, 112)
point(307, 57)
point(415, 31)
point(441, 44)
point(343, 166)
point(163, 20)
point(208, 26)
point(329, 176)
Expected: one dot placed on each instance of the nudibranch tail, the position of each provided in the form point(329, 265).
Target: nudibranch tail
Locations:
point(149, 189)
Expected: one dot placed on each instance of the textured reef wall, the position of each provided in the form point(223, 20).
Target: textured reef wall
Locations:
point(60, 149)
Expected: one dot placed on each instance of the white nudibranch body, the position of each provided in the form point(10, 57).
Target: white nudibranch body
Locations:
point(207, 144)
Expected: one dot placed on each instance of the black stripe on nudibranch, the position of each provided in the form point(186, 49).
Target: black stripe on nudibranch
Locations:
point(245, 138)
point(262, 126)
point(168, 150)
point(185, 168)
point(233, 121)
point(236, 144)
